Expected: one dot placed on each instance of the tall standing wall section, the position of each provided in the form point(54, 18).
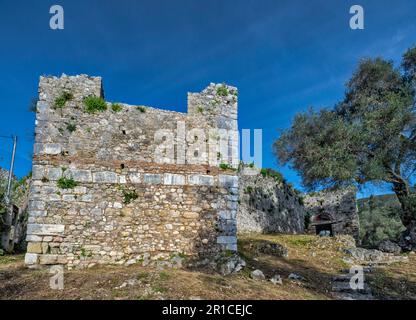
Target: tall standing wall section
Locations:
point(131, 199)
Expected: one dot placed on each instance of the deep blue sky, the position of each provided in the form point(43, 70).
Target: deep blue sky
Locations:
point(282, 55)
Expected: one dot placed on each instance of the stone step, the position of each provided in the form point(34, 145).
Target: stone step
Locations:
point(353, 296)
point(344, 286)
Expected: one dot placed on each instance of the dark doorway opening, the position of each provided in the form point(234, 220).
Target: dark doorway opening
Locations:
point(324, 228)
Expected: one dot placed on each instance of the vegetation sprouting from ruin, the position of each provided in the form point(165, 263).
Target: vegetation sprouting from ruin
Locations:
point(62, 99)
point(66, 183)
point(94, 104)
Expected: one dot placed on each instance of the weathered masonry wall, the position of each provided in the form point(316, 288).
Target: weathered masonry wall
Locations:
point(183, 205)
point(268, 206)
point(338, 208)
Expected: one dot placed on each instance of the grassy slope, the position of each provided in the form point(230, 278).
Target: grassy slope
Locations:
point(316, 259)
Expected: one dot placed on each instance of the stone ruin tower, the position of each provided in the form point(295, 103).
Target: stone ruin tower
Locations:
point(106, 188)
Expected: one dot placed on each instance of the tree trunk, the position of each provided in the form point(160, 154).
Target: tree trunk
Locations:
point(407, 215)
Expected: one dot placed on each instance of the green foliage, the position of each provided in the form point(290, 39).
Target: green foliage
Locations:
point(379, 220)
point(129, 196)
point(66, 183)
point(226, 166)
point(270, 173)
point(200, 109)
point(63, 98)
point(368, 137)
point(94, 104)
point(222, 91)
point(71, 127)
point(142, 109)
point(116, 107)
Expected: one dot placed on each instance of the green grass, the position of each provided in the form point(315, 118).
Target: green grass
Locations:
point(164, 276)
point(62, 99)
point(300, 242)
point(66, 183)
point(94, 104)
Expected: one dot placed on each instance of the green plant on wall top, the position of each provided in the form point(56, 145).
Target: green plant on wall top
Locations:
point(94, 104)
point(116, 107)
point(142, 109)
point(226, 166)
point(222, 91)
point(266, 173)
point(62, 99)
point(66, 183)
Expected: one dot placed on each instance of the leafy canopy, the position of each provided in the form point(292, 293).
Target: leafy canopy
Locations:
point(370, 136)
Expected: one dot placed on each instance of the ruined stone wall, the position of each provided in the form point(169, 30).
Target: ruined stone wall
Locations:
point(182, 204)
point(337, 206)
point(267, 205)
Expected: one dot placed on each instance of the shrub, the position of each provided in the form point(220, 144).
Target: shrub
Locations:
point(226, 166)
point(71, 127)
point(62, 99)
point(379, 220)
point(129, 196)
point(116, 107)
point(94, 104)
point(66, 183)
point(222, 91)
point(142, 109)
point(272, 174)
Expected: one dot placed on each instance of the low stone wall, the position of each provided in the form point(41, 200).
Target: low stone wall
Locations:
point(268, 206)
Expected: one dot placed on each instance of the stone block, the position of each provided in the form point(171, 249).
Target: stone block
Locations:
point(47, 259)
point(31, 258)
point(33, 238)
point(37, 213)
point(35, 205)
point(80, 175)
point(53, 173)
point(152, 178)
point(134, 177)
point(38, 172)
point(201, 180)
point(174, 179)
point(34, 247)
point(226, 240)
point(105, 177)
point(227, 181)
point(45, 229)
point(47, 148)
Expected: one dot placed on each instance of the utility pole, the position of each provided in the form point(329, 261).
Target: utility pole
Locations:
point(9, 182)
point(5, 237)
